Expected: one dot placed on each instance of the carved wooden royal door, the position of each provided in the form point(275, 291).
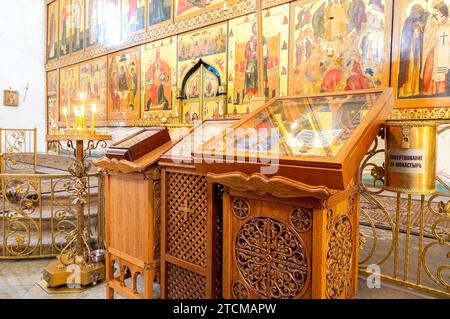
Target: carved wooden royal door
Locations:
point(202, 94)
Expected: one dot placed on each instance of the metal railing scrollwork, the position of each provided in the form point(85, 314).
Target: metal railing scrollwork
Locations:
point(406, 235)
point(18, 150)
point(37, 214)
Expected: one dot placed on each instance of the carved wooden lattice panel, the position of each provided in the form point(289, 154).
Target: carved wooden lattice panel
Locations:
point(186, 212)
point(184, 284)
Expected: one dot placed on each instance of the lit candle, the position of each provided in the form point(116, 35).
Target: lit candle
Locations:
point(67, 120)
point(75, 111)
point(83, 117)
point(94, 108)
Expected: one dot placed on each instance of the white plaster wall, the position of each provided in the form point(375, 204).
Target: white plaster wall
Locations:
point(443, 155)
point(22, 59)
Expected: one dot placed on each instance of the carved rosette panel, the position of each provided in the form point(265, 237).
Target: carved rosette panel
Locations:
point(301, 219)
point(339, 257)
point(241, 208)
point(272, 259)
point(239, 290)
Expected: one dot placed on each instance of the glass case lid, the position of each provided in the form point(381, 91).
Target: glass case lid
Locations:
point(193, 142)
point(309, 126)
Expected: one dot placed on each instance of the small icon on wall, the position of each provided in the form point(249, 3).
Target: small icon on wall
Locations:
point(10, 98)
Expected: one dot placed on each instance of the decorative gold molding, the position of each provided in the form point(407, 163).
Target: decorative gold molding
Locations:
point(438, 113)
point(154, 34)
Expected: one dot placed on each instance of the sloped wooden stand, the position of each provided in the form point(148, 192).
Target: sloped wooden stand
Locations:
point(132, 196)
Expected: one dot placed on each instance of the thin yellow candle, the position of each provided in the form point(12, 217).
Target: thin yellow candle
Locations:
point(67, 120)
point(83, 117)
point(81, 114)
point(93, 108)
point(75, 112)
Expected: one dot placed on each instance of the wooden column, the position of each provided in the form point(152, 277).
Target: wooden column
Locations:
point(259, 24)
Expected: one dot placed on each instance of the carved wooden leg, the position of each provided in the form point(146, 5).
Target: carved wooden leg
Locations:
point(109, 292)
point(149, 278)
point(109, 276)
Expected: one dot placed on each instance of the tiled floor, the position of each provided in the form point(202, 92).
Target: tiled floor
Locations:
point(18, 280)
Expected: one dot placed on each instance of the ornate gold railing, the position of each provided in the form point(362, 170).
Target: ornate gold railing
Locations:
point(38, 216)
point(18, 150)
point(404, 238)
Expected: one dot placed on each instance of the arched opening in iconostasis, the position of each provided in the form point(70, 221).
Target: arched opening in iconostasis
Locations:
point(202, 94)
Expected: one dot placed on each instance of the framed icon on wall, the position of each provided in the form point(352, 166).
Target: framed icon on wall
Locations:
point(10, 98)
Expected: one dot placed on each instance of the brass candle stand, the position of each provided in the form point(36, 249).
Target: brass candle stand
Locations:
point(74, 266)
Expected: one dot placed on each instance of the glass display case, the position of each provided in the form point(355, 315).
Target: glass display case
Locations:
point(194, 141)
point(315, 139)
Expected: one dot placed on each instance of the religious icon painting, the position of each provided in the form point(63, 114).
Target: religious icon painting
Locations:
point(52, 83)
point(159, 12)
point(52, 100)
point(111, 27)
point(243, 72)
point(93, 83)
point(191, 112)
point(208, 44)
point(133, 17)
point(421, 53)
point(77, 26)
point(193, 86)
point(65, 27)
point(188, 8)
point(71, 28)
point(213, 109)
point(339, 45)
point(94, 22)
point(202, 67)
point(69, 90)
point(52, 31)
point(124, 84)
point(158, 78)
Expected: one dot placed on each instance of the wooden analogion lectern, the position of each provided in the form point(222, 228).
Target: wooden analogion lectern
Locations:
point(291, 202)
point(132, 202)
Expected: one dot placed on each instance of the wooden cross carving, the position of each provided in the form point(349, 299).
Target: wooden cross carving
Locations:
point(185, 210)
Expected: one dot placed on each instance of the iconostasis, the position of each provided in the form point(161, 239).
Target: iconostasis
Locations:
point(177, 62)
